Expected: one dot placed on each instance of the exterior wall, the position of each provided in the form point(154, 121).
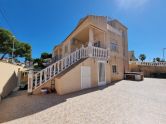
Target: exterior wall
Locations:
point(120, 70)
point(99, 21)
point(71, 81)
point(120, 57)
point(9, 78)
point(125, 51)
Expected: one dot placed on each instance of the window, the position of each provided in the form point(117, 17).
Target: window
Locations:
point(114, 47)
point(114, 69)
point(97, 44)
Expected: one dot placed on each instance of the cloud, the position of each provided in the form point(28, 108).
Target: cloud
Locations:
point(127, 4)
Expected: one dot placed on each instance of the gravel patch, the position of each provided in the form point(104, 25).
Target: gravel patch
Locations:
point(125, 102)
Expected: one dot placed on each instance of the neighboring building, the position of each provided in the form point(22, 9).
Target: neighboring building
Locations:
point(131, 56)
point(10, 77)
point(94, 54)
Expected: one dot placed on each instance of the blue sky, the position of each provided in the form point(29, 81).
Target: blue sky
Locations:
point(45, 23)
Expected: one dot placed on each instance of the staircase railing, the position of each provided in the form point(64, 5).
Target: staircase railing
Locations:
point(37, 79)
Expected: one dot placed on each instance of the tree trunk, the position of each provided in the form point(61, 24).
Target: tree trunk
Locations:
point(3, 56)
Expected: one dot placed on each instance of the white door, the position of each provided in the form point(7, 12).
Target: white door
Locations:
point(85, 77)
point(101, 73)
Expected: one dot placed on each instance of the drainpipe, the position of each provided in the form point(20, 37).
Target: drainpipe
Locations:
point(90, 44)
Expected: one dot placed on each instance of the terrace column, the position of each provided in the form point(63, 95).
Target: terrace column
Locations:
point(90, 44)
point(63, 51)
point(69, 47)
point(91, 37)
point(30, 82)
point(58, 53)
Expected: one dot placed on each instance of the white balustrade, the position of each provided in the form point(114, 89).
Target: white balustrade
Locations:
point(52, 70)
point(45, 75)
point(41, 77)
point(61, 64)
point(36, 80)
point(148, 63)
point(99, 53)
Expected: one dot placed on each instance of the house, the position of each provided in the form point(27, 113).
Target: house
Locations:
point(131, 56)
point(94, 54)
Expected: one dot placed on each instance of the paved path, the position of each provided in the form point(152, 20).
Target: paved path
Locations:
point(125, 102)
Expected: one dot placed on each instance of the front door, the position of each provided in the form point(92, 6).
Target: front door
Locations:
point(85, 77)
point(101, 73)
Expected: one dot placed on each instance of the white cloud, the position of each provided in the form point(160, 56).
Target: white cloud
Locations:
point(126, 4)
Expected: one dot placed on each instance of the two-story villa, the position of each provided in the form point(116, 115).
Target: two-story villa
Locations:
point(94, 54)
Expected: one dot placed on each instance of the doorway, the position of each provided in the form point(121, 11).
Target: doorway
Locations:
point(101, 73)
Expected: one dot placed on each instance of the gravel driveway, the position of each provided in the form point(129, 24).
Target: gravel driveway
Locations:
point(125, 102)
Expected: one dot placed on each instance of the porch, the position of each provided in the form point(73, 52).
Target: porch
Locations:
point(89, 36)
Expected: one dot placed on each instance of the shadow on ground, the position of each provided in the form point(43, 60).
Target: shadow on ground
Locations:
point(19, 104)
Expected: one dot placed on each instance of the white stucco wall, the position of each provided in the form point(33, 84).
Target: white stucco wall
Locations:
point(8, 77)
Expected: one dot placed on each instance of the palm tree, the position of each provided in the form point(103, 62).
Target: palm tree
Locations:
point(142, 57)
point(158, 59)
